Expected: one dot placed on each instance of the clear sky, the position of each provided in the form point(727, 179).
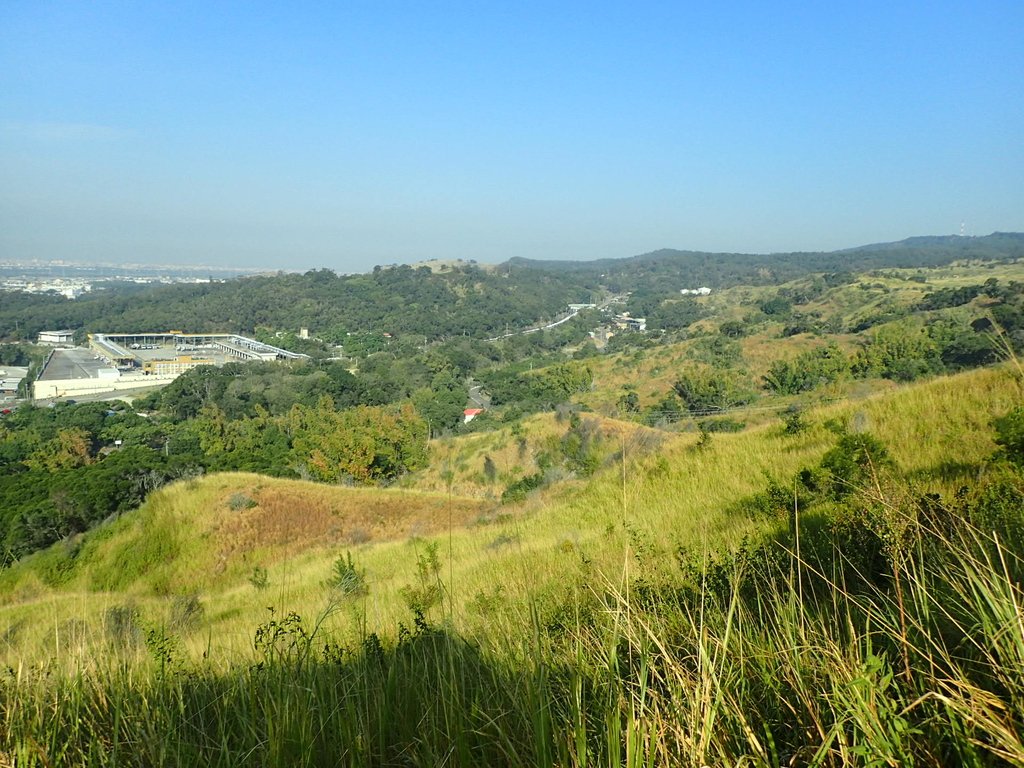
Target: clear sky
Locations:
point(348, 134)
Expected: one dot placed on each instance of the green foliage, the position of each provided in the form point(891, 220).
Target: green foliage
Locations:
point(807, 370)
point(428, 589)
point(517, 491)
point(723, 424)
point(704, 390)
point(854, 462)
point(629, 402)
point(259, 578)
point(14, 354)
point(951, 297)
point(443, 403)
point(580, 447)
point(733, 329)
point(793, 421)
point(1010, 435)
point(675, 314)
point(537, 390)
point(898, 351)
point(717, 351)
point(240, 501)
point(777, 306)
point(366, 444)
point(347, 580)
point(282, 641)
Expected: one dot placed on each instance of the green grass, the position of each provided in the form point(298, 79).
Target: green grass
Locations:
point(781, 676)
point(644, 616)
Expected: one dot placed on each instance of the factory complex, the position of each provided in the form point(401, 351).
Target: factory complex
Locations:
point(115, 362)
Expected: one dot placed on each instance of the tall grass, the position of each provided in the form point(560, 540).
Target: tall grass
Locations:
point(775, 658)
point(645, 623)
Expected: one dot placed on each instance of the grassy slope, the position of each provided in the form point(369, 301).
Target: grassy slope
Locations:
point(576, 535)
point(653, 371)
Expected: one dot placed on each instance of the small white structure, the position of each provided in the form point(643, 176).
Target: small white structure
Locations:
point(702, 291)
point(57, 337)
point(10, 378)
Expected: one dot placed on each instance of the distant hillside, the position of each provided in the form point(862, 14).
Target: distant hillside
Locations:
point(447, 300)
point(719, 270)
point(997, 245)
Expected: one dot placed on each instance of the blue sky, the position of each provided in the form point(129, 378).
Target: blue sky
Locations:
point(297, 135)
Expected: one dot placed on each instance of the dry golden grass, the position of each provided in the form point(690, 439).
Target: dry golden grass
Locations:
point(293, 516)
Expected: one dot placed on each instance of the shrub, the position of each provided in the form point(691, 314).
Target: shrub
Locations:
point(793, 421)
point(259, 578)
point(121, 624)
point(707, 390)
point(240, 501)
point(807, 371)
point(516, 492)
point(856, 459)
point(723, 424)
point(428, 589)
point(346, 579)
point(186, 612)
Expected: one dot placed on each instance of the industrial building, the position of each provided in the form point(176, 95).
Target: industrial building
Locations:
point(57, 338)
point(115, 362)
point(10, 379)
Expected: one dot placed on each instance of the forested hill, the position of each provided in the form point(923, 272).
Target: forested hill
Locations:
point(717, 270)
point(464, 299)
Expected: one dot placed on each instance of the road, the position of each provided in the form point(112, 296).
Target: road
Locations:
point(567, 318)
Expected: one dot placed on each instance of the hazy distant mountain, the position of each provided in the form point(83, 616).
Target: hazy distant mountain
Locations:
point(720, 269)
point(997, 243)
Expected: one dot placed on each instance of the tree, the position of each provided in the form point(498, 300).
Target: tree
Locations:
point(898, 351)
point(367, 444)
point(808, 370)
point(442, 404)
point(705, 390)
point(69, 449)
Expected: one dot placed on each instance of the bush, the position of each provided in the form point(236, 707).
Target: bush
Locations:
point(346, 580)
point(240, 501)
point(709, 390)
point(723, 424)
point(428, 589)
point(516, 492)
point(121, 624)
point(807, 371)
point(186, 612)
point(1010, 435)
point(856, 459)
point(793, 421)
point(259, 578)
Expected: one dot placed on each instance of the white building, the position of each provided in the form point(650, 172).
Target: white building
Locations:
point(57, 337)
